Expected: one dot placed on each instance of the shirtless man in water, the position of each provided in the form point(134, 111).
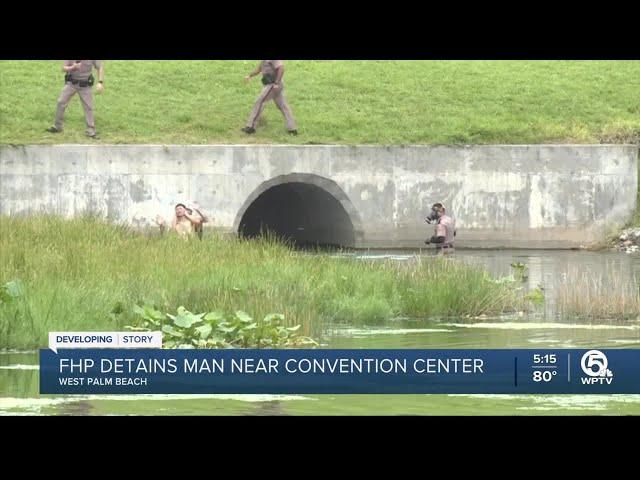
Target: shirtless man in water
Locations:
point(186, 222)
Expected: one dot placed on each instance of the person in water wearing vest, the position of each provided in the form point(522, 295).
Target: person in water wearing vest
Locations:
point(445, 229)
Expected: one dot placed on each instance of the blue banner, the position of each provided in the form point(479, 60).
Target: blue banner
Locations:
point(145, 371)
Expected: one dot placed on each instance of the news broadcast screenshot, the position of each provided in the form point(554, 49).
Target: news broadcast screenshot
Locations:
point(319, 237)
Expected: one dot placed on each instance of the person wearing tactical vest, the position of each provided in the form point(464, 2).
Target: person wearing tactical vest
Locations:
point(272, 73)
point(445, 229)
point(79, 79)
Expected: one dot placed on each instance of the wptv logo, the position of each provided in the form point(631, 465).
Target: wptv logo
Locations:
point(594, 364)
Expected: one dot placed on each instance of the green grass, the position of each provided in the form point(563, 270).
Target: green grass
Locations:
point(336, 102)
point(585, 294)
point(635, 221)
point(85, 274)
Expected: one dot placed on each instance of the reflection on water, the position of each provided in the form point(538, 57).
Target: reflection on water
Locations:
point(19, 375)
point(550, 268)
point(546, 268)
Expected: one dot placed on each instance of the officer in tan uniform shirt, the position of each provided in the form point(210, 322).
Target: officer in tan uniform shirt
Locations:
point(445, 229)
point(79, 79)
point(272, 72)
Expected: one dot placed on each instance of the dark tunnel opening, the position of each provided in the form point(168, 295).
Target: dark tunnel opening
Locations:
point(302, 213)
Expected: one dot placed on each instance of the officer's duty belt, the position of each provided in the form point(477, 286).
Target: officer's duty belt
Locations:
point(80, 83)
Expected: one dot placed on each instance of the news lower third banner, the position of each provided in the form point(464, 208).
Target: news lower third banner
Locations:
point(237, 371)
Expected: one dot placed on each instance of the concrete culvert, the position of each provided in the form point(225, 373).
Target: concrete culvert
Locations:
point(302, 213)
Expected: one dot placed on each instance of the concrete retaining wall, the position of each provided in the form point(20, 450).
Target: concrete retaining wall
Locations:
point(535, 196)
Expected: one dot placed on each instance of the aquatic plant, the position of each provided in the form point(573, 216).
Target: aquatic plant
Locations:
point(219, 330)
point(10, 291)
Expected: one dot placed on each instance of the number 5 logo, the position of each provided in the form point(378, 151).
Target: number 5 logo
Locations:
point(594, 363)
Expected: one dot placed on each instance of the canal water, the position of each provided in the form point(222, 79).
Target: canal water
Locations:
point(541, 329)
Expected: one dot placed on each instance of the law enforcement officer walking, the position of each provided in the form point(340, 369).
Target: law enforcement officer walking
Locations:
point(79, 79)
point(272, 72)
point(445, 229)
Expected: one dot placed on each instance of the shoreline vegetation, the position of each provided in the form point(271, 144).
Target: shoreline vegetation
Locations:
point(584, 294)
point(86, 274)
